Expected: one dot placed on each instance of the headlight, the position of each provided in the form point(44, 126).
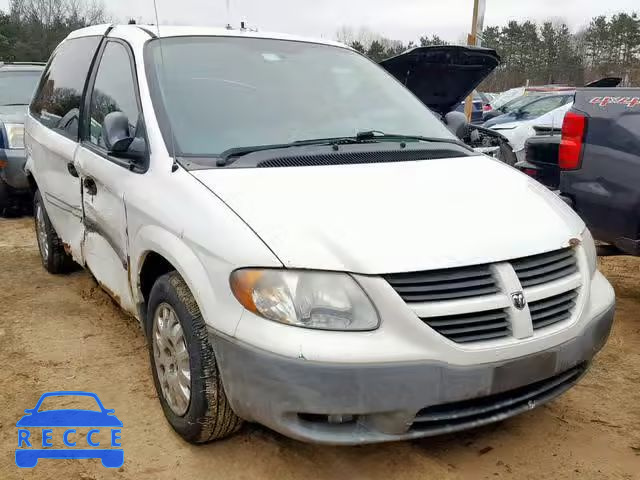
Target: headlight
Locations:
point(322, 300)
point(15, 135)
point(590, 250)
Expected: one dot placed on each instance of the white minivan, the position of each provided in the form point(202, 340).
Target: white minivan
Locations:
point(305, 244)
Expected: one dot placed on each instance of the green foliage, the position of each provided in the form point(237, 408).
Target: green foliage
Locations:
point(33, 28)
point(434, 40)
point(539, 54)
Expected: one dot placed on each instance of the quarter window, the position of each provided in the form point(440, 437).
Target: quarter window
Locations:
point(114, 91)
point(57, 102)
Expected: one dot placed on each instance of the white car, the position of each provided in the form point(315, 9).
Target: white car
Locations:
point(519, 132)
point(291, 264)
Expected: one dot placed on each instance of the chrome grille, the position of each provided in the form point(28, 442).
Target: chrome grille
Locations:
point(471, 327)
point(552, 310)
point(489, 287)
point(545, 267)
point(448, 284)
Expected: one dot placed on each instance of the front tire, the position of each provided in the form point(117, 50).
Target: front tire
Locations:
point(184, 367)
point(54, 259)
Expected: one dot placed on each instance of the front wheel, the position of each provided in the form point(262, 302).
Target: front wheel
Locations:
point(54, 257)
point(184, 367)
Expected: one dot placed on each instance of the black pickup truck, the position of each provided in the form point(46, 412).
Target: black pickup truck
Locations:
point(595, 164)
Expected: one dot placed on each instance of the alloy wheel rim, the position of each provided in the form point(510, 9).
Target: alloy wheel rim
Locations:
point(41, 233)
point(171, 359)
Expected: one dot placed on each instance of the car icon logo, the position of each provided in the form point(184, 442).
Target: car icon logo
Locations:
point(39, 421)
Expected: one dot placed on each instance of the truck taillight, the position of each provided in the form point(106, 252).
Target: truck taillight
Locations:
point(573, 131)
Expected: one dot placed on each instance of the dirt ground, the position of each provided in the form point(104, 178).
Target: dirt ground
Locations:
point(64, 333)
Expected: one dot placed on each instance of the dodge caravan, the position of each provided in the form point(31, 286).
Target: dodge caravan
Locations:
point(304, 242)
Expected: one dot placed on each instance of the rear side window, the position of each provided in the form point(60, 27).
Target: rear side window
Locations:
point(57, 102)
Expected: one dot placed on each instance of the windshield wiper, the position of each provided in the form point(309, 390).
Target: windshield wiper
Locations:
point(230, 155)
point(379, 135)
point(14, 105)
point(367, 136)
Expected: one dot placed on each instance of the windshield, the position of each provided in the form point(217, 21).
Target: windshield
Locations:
point(217, 93)
point(519, 102)
point(17, 87)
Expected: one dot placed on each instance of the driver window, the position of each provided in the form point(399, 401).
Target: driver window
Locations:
point(114, 90)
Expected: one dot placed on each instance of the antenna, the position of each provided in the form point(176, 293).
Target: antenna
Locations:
point(174, 167)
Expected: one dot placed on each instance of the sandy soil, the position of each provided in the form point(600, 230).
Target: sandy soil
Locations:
point(63, 332)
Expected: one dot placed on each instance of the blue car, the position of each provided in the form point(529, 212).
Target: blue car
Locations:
point(71, 418)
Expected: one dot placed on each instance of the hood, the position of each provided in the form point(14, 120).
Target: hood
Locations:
point(606, 82)
point(396, 217)
point(442, 77)
point(13, 113)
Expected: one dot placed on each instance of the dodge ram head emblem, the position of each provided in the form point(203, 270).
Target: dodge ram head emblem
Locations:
point(518, 300)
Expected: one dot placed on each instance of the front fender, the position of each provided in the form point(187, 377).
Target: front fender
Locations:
point(220, 310)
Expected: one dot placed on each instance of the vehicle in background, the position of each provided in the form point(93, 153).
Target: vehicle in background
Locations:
point(529, 108)
point(508, 107)
point(541, 156)
point(17, 84)
point(301, 272)
point(442, 77)
point(489, 96)
point(480, 104)
point(595, 164)
point(519, 92)
point(519, 132)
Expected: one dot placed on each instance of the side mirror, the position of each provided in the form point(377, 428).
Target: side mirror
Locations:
point(457, 123)
point(117, 137)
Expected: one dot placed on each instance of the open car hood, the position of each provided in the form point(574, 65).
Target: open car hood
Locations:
point(443, 76)
point(606, 82)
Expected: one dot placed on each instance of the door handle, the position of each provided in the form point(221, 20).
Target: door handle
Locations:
point(71, 168)
point(90, 186)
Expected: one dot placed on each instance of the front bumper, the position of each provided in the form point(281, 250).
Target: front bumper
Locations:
point(12, 163)
point(313, 401)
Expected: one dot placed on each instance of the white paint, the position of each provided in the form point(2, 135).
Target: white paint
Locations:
point(366, 219)
point(519, 132)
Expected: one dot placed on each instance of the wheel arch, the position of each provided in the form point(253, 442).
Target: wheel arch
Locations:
point(159, 251)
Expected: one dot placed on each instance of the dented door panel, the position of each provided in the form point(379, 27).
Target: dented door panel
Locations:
point(104, 245)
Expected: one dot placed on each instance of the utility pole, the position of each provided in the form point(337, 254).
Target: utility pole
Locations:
point(477, 24)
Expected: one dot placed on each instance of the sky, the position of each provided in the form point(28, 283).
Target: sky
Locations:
point(397, 19)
